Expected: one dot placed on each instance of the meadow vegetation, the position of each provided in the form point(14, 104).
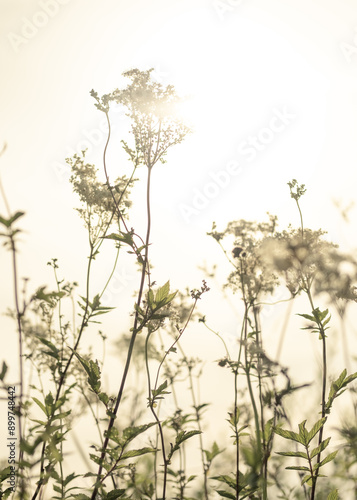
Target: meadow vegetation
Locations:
point(135, 450)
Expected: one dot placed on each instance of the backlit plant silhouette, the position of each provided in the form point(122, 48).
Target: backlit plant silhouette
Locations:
point(143, 437)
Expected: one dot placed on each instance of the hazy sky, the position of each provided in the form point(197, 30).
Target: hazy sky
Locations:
point(271, 89)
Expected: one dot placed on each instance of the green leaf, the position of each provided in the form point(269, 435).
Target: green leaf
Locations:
point(61, 415)
point(180, 438)
point(225, 494)
point(307, 479)
point(339, 382)
point(288, 435)
point(41, 405)
point(6, 494)
point(93, 371)
point(103, 397)
point(315, 429)
point(333, 495)
point(170, 297)
point(303, 432)
point(298, 467)
point(4, 222)
point(320, 315)
point(131, 432)
point(156, 393)
point(137, 453)
point(336, 387)
point(210, 455)
point(15, 217)
point(162, 292)
point(50, 298)
point(329, 458)
point(299, 454)
point(70, 478)
point(8, 222)
point(4, 474)
point(41, 422)
point(151, 298)
point(126, 238)
point(49, 403)
point(223, 478)
point(184, 435)
point(112, 495)
point(349, 379)
point(320, 448)
point(49, 344)
point(307, 316)
point(3, 371)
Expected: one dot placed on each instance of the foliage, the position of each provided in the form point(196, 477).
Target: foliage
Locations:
point(145, 438)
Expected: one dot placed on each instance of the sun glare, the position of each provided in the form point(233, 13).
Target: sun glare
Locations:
point(246, 103)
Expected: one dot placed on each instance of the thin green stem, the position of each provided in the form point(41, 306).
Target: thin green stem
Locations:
point(247, 365)
point(323, 393)
point(156, 417)
point(135, 331)
point(264, 458)
point(236, 408)
point(62, 379)
point(181, 331)
point(301, 219)
point(220, 338)
point(62, 353)
point(111, 273)
point(198, 421)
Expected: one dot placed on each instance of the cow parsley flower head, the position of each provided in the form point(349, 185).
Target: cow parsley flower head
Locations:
point(98, 205)
point(152, 110)
point(251, 276)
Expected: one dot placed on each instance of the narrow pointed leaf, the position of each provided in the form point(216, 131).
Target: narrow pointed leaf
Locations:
point(320, 448)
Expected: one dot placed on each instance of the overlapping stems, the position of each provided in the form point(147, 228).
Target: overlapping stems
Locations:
point(154, 133)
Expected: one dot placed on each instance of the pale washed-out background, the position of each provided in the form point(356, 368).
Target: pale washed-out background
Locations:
point(241, 63)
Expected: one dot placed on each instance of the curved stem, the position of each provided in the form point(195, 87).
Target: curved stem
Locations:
point(301, 220)
point(133, 337)
point(175, 342)
point(220, 338)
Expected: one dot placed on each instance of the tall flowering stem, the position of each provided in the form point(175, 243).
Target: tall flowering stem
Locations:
point(155, 128)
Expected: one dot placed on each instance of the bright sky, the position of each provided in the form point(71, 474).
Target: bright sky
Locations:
point(271, 92)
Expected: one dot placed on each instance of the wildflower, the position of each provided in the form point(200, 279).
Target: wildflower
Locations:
point(98, 205)
point(151, 108)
